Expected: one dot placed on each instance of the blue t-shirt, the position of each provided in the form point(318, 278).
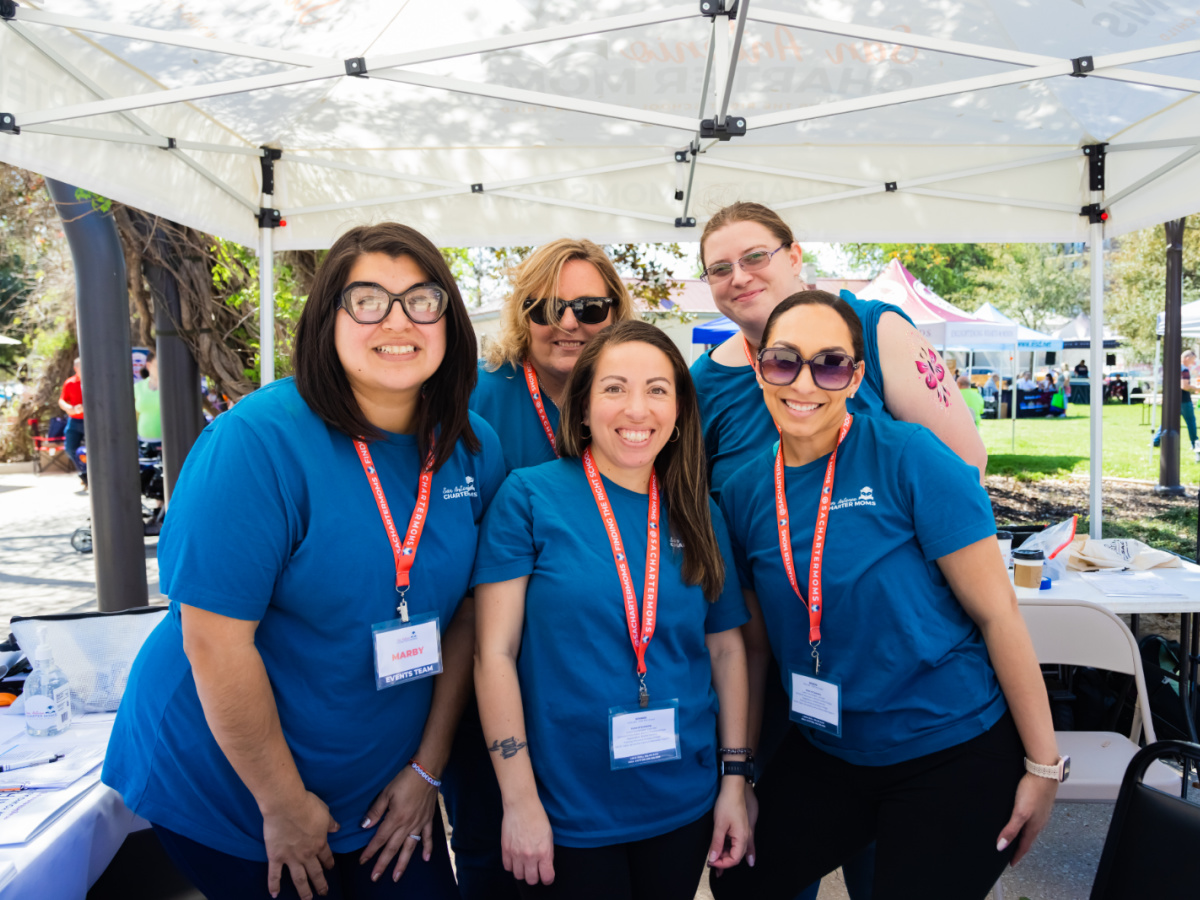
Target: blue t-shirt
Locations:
point(914, 670)
point(502, 398)
point(273, 520)
point(576, 661)
point(734, 419)
point(1186, 375)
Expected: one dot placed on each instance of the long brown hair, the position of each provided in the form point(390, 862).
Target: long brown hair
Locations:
point(680, 464)
point(322, 381)
point(537, 276)
point(747, 211)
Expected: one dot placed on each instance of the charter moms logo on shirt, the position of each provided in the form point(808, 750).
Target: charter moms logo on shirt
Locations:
point(866, 497)
point(463, 490)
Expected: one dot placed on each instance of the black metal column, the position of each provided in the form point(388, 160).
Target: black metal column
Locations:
point(1168, 465)
point(178, 374)
point(102, 314)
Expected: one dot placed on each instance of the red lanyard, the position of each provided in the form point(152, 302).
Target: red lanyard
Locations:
point(818, 545)
point(650, 592)
point(749, 355)
point(404, 553)
point(535, 394)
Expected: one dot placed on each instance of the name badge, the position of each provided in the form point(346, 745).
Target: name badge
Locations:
point(406, 651)
point(639, 736)
point(816, 702)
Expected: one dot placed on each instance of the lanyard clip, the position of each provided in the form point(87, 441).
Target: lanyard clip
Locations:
point(643, 694)
point(402, 606)
point(816, 657)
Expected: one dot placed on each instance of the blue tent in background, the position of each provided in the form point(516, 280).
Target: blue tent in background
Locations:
point(714, 332)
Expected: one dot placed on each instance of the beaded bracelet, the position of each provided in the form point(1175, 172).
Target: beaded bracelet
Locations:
point(423, 773)
point(736, 751)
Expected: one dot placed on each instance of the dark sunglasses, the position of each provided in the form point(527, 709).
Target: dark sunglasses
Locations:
point(830, 371)
point(369, 303)
point(588, 310)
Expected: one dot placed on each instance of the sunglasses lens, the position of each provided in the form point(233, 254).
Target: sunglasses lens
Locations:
point(537, 311)
point(779, 366)
point(591, 310)
point(832, 371)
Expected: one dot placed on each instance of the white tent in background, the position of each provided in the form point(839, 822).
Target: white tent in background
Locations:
point(517, 121)
point(1077, 334)
point(1190, 317)
point(1027, 339)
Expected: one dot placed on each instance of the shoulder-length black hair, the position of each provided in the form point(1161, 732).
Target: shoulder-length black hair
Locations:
point(321, 379)
point(680, 464)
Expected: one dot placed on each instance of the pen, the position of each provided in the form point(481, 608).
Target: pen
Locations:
point(31, 762)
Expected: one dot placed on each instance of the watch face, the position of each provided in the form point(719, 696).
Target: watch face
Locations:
point(1065, 767)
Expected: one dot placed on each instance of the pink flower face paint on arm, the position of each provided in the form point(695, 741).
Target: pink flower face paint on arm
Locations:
point(934, 373)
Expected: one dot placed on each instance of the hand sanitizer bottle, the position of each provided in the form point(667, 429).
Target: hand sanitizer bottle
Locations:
point(47, 694)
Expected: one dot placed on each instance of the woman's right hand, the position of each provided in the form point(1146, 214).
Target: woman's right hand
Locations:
point(297, 837)
point(527, 843)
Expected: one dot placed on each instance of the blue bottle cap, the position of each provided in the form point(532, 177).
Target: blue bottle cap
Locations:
point(1045, 585)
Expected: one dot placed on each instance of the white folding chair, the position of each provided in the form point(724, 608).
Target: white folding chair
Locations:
point(1078, 633)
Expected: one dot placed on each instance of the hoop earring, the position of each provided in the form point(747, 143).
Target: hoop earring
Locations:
point(673, 438)
point(588, 436)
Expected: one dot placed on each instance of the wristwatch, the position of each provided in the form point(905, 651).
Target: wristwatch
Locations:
point(738, 767)
point(1060, 771)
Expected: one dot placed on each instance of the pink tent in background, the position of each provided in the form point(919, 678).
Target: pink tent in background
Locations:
point(943, 324)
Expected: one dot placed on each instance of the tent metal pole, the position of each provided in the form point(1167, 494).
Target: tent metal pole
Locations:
point(1096, 446)
point(266, 301)
point(1013, 409)
point(102, 317)
point(722, 108)
point(1153, 145)
point(694, 146)
point(1156, 174)
point(150, 139)
point(1170, 439)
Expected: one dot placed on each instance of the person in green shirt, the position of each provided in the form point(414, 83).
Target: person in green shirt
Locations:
point(145, 401)
point(971, 397)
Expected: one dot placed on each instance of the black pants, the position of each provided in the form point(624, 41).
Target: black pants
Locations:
point(667, 867)
point(935, 820)
point(219, 876)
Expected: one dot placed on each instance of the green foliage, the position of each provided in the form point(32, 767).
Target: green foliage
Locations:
point(949, 270)
point(1031, 283)
point(99, 203)
point(1137, 287)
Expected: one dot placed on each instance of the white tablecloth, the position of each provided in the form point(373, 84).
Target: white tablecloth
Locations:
point(1185, 580)
point(65, 860)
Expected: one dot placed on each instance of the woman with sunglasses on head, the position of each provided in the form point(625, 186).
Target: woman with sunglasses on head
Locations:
point(289, 712)
point(603, 712)
point(563, 294)
point(920, 719)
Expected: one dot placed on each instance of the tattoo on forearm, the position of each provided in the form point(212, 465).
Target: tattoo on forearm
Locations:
point(508, 747)
point(933, 371)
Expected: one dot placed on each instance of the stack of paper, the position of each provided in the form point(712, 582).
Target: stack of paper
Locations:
point(25, 814)
point(82, 748)
point(1130, 584)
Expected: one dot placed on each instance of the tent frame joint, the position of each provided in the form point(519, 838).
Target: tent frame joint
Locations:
point(710, 9)
point(8, 123)
point(356, 66)
point(1096, 214)
point(1096, 154)
point(685, 222)
point(731, 127)
point(269, 218)
point(477, 187)
point(172, 144)
point(268, 159)
point(890, 187)
point(1082, 67)
point(8, 9)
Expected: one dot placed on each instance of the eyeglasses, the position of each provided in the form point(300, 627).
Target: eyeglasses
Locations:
point(751, 262)
point(830, 371)
point(588, 310)
point(369, 303)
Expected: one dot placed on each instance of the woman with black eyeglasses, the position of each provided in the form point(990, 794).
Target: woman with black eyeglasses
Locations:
point(563, 294)
point(919, 719)
point(296, 709)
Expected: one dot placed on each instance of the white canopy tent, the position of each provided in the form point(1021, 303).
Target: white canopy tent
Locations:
point(515, 121)
point(1027, 339)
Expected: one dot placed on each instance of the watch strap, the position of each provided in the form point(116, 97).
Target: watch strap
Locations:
point(1056, 771)
point(745, 768)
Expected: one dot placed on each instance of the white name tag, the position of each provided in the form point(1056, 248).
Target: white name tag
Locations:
point(406, 651)
point(816, 703)
point(638, 737)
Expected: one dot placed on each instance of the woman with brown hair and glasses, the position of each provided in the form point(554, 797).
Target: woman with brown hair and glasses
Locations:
point(608, 656)
point(296, 707)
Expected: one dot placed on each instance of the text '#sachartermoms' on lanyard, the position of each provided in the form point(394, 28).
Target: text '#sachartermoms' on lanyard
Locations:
point(404, 551)
point(535, 394)
point(638, 636)
point(814, 603)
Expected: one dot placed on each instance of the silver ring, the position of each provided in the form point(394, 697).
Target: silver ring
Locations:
point(415, 837)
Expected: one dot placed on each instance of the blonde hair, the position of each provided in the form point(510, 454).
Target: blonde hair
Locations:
point(746, 211)
point(538, 276)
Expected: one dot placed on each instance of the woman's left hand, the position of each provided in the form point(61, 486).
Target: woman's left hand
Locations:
point(731, 825)
point(404, 808)
point(1031, 811)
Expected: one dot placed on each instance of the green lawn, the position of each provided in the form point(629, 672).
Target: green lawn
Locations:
point(1056, 448)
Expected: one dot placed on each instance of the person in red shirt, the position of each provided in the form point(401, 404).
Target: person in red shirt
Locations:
point(71, 402)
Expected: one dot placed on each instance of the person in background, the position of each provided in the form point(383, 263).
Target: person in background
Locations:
point(1188, 386)
point(991, 387)
point(346, 517)
point(1047, 385)
point(915, 690)
point(146, 404)
point(1081, 370)
point(1026, 382)
point(563, 294)
point(971, 397)
point(590, 814)
point(70, 401)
